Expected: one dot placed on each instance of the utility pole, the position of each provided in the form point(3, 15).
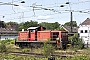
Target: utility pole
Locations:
point(71, 23)
point(71, 16)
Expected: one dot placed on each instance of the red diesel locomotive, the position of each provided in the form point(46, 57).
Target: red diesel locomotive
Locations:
point(36, 36)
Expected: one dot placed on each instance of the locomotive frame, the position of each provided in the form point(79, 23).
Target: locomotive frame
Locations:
point(36, 36)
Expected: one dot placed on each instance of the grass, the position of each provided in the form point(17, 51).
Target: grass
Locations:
point(78, 54)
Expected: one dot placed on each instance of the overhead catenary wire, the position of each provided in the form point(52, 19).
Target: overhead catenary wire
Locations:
point(52, 10)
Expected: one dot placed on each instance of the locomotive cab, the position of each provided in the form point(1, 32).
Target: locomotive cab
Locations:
point(32, 35)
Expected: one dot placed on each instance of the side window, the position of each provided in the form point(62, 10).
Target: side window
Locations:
point(32, 30)
point(85, 31)
point(81, 31)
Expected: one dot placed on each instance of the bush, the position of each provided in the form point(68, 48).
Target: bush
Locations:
point(48, 49)
point(76, 42)
point(3, 48)
point(11, 48)
point(7, 41)
point(9, 57)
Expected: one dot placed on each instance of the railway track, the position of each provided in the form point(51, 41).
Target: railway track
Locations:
point(39, 55)
point(57, 54)
point(27, 54)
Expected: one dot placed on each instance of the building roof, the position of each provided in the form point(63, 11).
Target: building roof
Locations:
point(12, 26)
point(32, 27)
point(5, 31)
point(86, 22)
point(68, 28)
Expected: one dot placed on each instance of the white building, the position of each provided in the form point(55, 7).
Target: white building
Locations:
point(84, 31)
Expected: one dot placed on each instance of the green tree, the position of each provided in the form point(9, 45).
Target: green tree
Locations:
point(2, 24)
point(21, 26)
point(50, 26)
point(26, 25)
point(30, 24)
point(69, 23)
point(11, 22)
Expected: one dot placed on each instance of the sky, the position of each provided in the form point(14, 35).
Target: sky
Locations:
point(25, 12)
